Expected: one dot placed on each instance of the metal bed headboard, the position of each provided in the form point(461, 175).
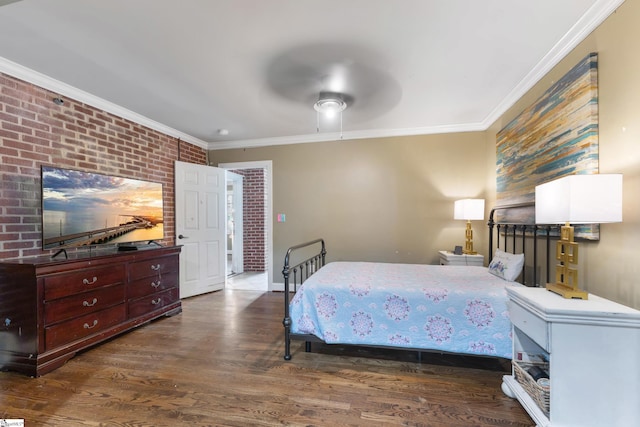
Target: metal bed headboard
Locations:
point(518, 232)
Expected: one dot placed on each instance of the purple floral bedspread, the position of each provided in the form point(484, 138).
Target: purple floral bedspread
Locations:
point(458, 309)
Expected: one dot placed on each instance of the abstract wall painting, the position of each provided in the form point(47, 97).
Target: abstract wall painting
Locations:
point(556, 136)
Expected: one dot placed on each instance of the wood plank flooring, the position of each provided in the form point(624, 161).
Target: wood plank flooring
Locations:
point(220, 363)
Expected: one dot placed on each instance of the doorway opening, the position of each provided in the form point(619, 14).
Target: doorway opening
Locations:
point(235, 224)
point(249, 241)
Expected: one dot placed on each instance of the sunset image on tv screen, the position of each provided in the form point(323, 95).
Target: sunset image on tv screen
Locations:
point(84, 208)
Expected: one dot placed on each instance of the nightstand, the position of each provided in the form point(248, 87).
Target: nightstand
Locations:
point(449, 258)
point(592, 349)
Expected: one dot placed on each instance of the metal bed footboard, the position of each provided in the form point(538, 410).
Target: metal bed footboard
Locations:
point(301, 272)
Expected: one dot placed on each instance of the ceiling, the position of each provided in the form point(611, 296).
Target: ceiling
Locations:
point(197, 68)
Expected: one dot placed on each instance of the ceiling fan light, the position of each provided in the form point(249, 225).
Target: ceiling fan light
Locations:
point(330, 104)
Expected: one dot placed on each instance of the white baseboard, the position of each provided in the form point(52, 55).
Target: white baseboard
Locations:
point(277, 287)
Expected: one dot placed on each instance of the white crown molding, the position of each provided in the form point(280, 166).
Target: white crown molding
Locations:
point(335, 136)
point(581, 29)
point(31, 76)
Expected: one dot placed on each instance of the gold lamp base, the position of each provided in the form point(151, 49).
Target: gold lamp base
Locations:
point(567, 277)
point(468, 243)
point(567, 291)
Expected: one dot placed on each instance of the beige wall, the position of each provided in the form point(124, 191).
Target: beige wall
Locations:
point(386, 199)
point(392, 199)
point(611, 267)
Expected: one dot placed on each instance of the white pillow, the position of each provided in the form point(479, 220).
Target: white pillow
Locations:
point(506, 266)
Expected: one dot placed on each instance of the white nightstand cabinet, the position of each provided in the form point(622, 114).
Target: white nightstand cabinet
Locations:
point(593, 349)
point(449, 258)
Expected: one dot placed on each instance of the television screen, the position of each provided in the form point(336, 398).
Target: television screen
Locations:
point(85, 209)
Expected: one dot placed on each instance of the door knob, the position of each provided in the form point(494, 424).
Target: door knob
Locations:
point(180, 236)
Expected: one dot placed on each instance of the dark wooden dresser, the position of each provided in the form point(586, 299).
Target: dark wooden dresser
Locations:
point(52, 308)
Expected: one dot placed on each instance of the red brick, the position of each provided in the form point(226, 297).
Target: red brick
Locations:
point(83, 110)
point(24, 244)
point(6, 254)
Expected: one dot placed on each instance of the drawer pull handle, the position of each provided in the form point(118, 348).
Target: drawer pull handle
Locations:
point(90, 304)
point(87, 326)
point(156, 301)
point(155, 284)
point(155, 267)
point(90, 282)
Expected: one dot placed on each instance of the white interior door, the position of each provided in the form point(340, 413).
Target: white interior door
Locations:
point(200, 212)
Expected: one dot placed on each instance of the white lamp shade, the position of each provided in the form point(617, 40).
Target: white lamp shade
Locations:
point(580, 199)
point(468, 209)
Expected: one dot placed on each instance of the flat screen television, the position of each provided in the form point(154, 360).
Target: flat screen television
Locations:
point(88, 209)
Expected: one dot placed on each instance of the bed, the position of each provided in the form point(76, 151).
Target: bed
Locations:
point(448, 309)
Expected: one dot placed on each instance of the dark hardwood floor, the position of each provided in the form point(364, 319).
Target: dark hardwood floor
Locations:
point(220, 362)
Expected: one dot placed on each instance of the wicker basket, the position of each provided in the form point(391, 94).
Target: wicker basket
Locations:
point(539, 393)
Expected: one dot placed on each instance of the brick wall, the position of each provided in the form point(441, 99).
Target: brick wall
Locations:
point(35, 131)
point(253, 200)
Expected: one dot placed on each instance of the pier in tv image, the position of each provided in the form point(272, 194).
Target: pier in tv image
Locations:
point(85, 209)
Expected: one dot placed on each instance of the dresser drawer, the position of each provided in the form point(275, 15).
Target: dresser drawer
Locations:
point(153, 302)
point(65, 284)
point(533, 326)
point(150, 285)
point(153, 267)
point(81, 327)
point(84, 303)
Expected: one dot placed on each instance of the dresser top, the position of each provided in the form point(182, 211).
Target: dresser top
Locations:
point(553, 307)
point(103, 253)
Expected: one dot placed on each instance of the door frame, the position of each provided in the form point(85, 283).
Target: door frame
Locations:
point(267, 165)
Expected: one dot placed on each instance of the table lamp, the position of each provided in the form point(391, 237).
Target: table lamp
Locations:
point(576, 199)
point(469, 210)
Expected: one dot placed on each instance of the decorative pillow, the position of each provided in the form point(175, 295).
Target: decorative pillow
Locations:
point(506, 266)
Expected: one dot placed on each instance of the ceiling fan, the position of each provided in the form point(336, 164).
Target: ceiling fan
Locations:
point(334, 77)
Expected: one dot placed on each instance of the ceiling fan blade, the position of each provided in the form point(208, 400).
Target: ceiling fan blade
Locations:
point(301, 74)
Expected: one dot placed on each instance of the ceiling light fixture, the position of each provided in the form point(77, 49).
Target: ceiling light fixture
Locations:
point(329, 104)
